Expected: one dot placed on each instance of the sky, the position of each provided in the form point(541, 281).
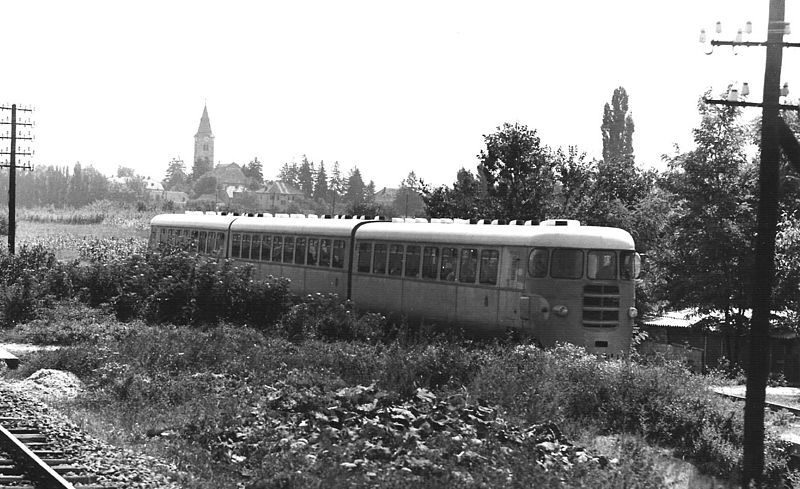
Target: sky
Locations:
point(386, 86)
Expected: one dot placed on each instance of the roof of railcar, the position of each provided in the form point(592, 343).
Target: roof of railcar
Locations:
point(214, 222)
point(496, 235)
point(479, 235)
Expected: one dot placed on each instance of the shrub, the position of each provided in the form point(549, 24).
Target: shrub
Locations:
point(3, 224)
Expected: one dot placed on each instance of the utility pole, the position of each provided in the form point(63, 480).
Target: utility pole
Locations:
point(775, 134)
point(12, 165)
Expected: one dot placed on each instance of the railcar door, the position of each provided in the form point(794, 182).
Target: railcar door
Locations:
point(511, 283)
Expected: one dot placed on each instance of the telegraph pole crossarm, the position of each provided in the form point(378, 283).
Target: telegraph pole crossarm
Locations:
point(12, 166)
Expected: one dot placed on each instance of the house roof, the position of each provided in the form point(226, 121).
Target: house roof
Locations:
point(282, 188)
point(153, 185)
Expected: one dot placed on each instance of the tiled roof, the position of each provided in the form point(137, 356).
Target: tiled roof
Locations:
point(205, 124)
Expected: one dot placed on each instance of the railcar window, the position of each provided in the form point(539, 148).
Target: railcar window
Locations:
point(395, 259)
point(201, 241)
point(364, 257)
point(277, 248)
point(379, 259)
point(255, 247)
point(601, 265)
point(162, 236)
point(193, 243)
point(324, 252)
point(489, 261)
point(630, 265)
point(300, 251)
point(288, 249)
point(430, 262)
point(246, 246)
point(313, 251)
point(412, 261)
point(537, 262)
point(566, 263)
point(449, 264)
point(212, 242)
point(236, 245)
point(469, 265)
point(266, 248)
point(338, 253)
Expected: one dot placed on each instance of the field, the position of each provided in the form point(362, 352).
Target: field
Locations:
point(288, 391)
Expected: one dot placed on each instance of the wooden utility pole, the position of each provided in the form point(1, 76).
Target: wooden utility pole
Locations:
point(764, 272)
point(11, 164)
point(775, 135)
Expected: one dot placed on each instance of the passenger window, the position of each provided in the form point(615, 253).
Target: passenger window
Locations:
point(219, 244)
point(489, 262)
point(266, 248)
point(430, 262)
point(379, 263)
point(194, 242)
point(201, 242)
point(313, 251)
point(469, 266)
point(537, 262)
point(601, 265)
point(412, 261)
point(288, 249)
point(364, 257)
point(255, 247)
point(246, 246)
point(566, 263)
point(325, 253)
point(277, 248)
point(449, 264)
point(338, 253)
point(395, 259)
point(236, 245)
point(300, 251)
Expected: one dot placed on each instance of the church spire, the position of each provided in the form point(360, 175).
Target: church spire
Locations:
point(205, 124)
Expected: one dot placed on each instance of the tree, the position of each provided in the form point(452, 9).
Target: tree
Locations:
point(354, 195)
point(617, 128)
point(200, 167)
point(575, 177)
point(321, 183)
point(617, 176)
point(207, 184)
point(709, 258)
point(254, 173)
point(518, 171)
point(305, 177)
point(466, 200)
point(289, 174)
point(175, 178)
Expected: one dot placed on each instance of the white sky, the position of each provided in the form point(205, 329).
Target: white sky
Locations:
point(389, 87)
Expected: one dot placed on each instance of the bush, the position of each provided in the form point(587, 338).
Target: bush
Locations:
point(3, 225)
point(663, 402)
point(28, 279)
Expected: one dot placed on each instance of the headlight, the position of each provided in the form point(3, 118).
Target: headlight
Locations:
point(561, 311)
point(632, 312)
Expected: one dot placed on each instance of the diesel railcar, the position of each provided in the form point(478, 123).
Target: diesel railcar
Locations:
point(557, 281)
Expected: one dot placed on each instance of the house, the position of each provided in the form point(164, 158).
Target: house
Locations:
point(274, 197)
point(385, 197)
point(229, 175)
point(698, 339)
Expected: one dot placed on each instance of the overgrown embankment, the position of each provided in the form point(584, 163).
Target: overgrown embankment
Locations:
point(266, 388)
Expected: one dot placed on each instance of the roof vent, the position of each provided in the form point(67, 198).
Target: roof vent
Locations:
point(560, 222)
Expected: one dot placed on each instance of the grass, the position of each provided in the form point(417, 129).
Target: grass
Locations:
point(233, 406)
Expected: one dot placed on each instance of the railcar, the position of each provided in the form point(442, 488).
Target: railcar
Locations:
point(557, 281)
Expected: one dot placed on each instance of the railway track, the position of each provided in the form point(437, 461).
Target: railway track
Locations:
point(28, 460)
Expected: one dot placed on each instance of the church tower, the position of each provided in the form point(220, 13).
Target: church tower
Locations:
point(203, 147)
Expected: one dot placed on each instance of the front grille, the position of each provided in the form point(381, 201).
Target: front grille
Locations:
point(601, 306)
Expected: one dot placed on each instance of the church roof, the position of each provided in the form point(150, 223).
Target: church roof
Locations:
point(205, 124)
point(230, 174)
